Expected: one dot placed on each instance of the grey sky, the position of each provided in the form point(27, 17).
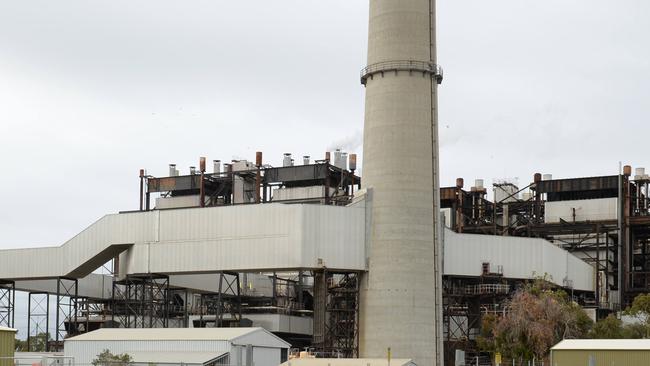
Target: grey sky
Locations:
point(92, 91)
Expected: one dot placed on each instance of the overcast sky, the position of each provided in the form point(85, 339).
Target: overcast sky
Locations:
point(90, 92)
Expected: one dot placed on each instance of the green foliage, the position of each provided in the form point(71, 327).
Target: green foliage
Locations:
point(485, 341)
point(635, 331)
point(106, 358)
point(538, 317)
point(38, 343)
point(613, 328)
point(640, 306)
point(640, 309)
point(608, 328)
point(20, 345)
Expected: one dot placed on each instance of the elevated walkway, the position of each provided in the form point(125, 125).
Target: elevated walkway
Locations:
point(188, 244)
point(269, 237)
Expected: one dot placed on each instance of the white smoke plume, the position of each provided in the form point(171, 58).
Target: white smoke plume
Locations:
point(349, 143)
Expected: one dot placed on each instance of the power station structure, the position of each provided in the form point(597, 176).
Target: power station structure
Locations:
point(285, 248)
point(401, 289)
point(326, 260)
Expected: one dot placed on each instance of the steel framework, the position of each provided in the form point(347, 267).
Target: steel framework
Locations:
point(141, 301)
point(7, 304)
point(38, 321)
point(227, 301)
point(465, 302)
point(67, 294)
point(86, 309)
point(336, 314)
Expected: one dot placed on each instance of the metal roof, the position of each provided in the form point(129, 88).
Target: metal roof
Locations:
point(603, 344)
point(167, 334)
point(176, 358)
point(347, 362)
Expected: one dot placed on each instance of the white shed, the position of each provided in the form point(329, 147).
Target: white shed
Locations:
point(187, 346)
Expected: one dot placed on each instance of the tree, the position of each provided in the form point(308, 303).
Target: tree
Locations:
point(608, 328)
point(20, 345)
point(38, 343)
point(537, 318)
point(640, 309)
point(485, 340)
point(106, 358)
point(635, 331)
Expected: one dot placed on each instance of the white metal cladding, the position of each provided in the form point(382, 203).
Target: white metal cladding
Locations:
point(521, 258)
point(266, 356)
point(81, 253)
point(185, 241)
point(261, 337)
point(95, 286)
point(259, 237)
point(585, 210)
point(84, 352)
point(283, 323)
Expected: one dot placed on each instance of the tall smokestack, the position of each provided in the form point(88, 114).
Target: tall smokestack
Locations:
point(401, 293)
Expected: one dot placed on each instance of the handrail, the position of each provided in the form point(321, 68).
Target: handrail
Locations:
point(425, 67)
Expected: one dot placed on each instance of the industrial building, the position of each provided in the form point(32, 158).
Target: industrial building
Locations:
point(596, 352)
point(291, 266)
point(182, 346)
point(604, 221)
point(7, 345)
point(323, 259)
point(348, 362)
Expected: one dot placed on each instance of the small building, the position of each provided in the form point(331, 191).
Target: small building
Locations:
point(182, 346)
point(41, 358)
point(601, 352)
point(7, 345)
point(348, 362)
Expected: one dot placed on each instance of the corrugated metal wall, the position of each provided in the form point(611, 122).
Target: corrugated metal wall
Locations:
point(260, 237)
point(7, 346)
point(600, 358)
point(522, 258)
point(248, 237)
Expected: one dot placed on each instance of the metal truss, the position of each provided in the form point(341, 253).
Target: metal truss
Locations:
point(141, 301)
point(7, 304)
point(227, 301)
point(38, 322)
point(67, 294)
point(465, 302)
point(86, 309)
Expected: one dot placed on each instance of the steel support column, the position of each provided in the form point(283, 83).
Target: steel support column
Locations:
point(227, 301)
point(7, 304)
point(336, 314)
point(67, 294)
point(38, 322)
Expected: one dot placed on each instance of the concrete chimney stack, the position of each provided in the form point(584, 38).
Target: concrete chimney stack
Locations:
point(401, 294)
